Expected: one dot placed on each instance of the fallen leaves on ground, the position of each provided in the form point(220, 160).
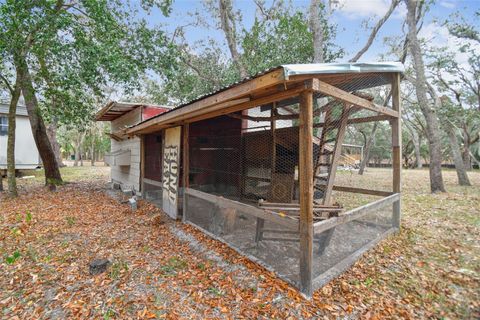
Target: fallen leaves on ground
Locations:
point(167, 270)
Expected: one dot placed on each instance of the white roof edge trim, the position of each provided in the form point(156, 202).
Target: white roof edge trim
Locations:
point(324, 68)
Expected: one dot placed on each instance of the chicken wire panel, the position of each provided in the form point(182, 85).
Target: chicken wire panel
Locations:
point(374, 141)
point(153, 193)
point(239, 230)
point(334, 246)
point(233, 155)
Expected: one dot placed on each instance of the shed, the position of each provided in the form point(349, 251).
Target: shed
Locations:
point(124, 157)
point(255, 165)
point(26, 152)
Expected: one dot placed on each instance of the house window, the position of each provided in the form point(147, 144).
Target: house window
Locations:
point(3, 126)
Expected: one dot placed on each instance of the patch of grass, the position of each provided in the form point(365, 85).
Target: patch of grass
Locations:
point(48, 257)
point(13, 258)
point(28, 217)
point(216, 291)
point(117, 268)
point(55, 182)
point(109, 314)
point(368, 282)
point(16, 231)
point(70, 221)
point(173, 265)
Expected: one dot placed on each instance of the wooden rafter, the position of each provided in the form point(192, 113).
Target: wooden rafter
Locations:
point(339, 94)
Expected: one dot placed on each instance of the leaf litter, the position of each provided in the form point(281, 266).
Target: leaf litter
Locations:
point(169, 270)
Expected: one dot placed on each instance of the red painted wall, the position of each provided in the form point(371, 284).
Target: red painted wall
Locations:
point(149, 112)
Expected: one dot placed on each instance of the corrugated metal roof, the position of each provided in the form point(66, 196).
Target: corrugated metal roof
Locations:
point(113, 109)
point(337, 68)
point(312, 69)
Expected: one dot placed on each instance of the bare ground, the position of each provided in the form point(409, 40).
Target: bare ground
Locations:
point(430, 270)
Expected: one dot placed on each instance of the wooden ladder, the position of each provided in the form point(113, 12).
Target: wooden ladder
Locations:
point(329, 158)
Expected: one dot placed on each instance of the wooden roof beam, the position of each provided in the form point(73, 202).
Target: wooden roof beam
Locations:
point(171, 118)
point(339, 94)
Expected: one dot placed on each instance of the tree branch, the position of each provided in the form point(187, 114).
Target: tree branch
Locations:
point(9, 86)
point(375, 30)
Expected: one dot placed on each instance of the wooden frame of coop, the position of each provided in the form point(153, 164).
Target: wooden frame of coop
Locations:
point(307, 220)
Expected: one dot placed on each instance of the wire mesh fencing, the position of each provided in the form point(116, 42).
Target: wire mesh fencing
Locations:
point(245, 189)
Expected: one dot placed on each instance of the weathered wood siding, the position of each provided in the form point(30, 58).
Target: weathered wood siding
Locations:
point(127, 175)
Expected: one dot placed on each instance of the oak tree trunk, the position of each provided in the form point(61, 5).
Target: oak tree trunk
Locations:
point(49, 161)
point(432, 123)
point(52, 135)
point(457, 157)
point(77, 156)
point(466, 149)
point(12, 125)
point(81, 155)
point(366, 150)
point(416, 145)
point(92, 152)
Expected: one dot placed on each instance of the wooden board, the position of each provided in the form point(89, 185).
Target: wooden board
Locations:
point(349, 98)
point(171, 171)
point(306, 192)
point(397, 148)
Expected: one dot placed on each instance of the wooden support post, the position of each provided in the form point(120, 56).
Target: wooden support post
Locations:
point(396, 147)
point(186, 169)
point(306, 191)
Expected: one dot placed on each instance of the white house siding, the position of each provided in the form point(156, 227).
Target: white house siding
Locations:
point(26, 153)
point(127, 176)
point(265, 125)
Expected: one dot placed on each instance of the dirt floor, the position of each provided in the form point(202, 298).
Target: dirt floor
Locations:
point(169, 270)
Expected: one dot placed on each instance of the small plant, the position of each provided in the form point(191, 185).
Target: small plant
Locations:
point(109, 314)
point(70, 221)
point(16, 231)
point(368, 282)
point(28, 217)
point(216, 291)
point(173, 265)
point(13, 258)
point(117, 268)
point(202, 266)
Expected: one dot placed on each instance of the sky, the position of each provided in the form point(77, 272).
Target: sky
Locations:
point(349, 15)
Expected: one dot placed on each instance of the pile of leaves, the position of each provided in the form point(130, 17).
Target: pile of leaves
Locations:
point(170, 270)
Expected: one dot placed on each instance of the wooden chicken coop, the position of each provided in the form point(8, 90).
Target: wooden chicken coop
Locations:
point(257, 166)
